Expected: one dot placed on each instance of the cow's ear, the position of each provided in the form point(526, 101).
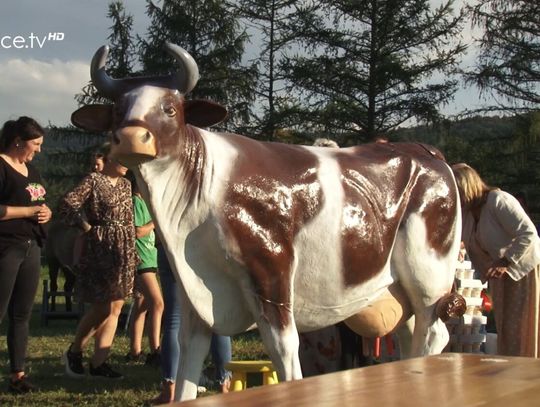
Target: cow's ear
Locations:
point(93, 117)
point(203, 113)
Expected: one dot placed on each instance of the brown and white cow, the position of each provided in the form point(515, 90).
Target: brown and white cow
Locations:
point(287, 237)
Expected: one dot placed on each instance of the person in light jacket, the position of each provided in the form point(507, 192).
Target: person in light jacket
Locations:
point(503, 245)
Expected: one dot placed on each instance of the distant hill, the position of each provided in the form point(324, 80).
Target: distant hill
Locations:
point(504, 150)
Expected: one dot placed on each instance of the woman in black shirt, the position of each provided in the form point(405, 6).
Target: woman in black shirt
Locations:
point(23, 213)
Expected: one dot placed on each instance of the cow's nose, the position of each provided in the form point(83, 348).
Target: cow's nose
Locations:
point(133, 145)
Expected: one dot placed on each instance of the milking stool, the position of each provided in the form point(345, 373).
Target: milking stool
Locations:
point(242, 368)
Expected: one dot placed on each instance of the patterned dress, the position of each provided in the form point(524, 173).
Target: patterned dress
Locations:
point(108, 261)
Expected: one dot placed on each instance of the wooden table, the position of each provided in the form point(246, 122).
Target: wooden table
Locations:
point(447, 380)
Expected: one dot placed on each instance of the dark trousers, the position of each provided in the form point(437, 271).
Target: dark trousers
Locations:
point(19, 278)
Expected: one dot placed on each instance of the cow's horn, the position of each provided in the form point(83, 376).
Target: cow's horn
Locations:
point(188, 75)
point(106, 86)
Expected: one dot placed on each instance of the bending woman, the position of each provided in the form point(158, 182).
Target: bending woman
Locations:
point(504, 247)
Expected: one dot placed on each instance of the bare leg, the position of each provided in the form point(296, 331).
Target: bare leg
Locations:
point(89, 324)
point(154, 307)
point(105, 334)
point(136, 327)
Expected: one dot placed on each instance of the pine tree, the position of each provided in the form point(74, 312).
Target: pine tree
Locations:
point(268, 19)
point(509, 59)
point(367, 66)
point(122, 53)
point(211, 34)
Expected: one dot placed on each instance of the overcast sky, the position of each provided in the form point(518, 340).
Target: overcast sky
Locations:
point(45, 52)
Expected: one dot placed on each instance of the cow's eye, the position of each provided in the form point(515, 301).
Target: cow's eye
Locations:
point(169, 110)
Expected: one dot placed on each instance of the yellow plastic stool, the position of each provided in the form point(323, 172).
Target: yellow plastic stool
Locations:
point(241, 368)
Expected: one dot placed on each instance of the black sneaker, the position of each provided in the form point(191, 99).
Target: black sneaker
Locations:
point(131, 358)
point(73, 363)
point(21, 386)
point(153, 359)
point(105, 371)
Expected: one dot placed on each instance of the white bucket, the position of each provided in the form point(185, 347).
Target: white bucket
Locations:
point(491, 344)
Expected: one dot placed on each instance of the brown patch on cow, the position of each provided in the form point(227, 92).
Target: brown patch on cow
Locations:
point(192, 156)
point(376, 183)
point(265, 212)
point(436, 197)
point(440, 215)
point(383, 183)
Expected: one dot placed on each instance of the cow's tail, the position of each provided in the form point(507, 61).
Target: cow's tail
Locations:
point(450, 305)
point(432, 151)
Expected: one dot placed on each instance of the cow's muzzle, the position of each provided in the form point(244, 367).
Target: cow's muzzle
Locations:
point(133, 145)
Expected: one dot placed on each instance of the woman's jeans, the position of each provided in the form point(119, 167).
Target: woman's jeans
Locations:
point(19, 277)
point(220, 347)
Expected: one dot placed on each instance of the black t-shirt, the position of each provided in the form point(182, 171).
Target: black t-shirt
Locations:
point(18, 190)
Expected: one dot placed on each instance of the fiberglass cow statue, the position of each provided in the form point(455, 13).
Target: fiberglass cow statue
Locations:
point(285, 237)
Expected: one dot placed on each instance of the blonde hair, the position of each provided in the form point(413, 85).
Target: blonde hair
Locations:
point(472, 188)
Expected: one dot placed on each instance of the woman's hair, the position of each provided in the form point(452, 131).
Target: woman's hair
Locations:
point(130, 176)
point(24, 127)
point(472, 188)
point(103, 151)
point(325, 142)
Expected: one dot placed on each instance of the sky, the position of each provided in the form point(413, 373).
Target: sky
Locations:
point(45, 52)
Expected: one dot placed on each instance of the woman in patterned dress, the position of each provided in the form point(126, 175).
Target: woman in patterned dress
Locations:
point(101, 206)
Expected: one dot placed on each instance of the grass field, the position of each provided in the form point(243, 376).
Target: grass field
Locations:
point(46, 344)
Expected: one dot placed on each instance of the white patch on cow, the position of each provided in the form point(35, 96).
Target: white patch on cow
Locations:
point(143, 99)
point(425, 276)
point(353, 215)
point(416, 262)
point(320, 296)
point(438, 189)
point(221, 156)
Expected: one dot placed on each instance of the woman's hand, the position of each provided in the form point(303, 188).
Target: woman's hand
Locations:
point(85, 226)
point(497, 269)
point(42, 213)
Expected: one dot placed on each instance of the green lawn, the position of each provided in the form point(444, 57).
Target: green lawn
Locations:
point(46, 345)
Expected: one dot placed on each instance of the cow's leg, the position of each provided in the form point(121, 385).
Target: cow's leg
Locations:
point(194, 338)
point(405, 335)
point(282, 343)
point(426, 276)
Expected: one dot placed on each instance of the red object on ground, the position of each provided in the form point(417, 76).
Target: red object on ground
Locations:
point(487, 305)
point(377, 347)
